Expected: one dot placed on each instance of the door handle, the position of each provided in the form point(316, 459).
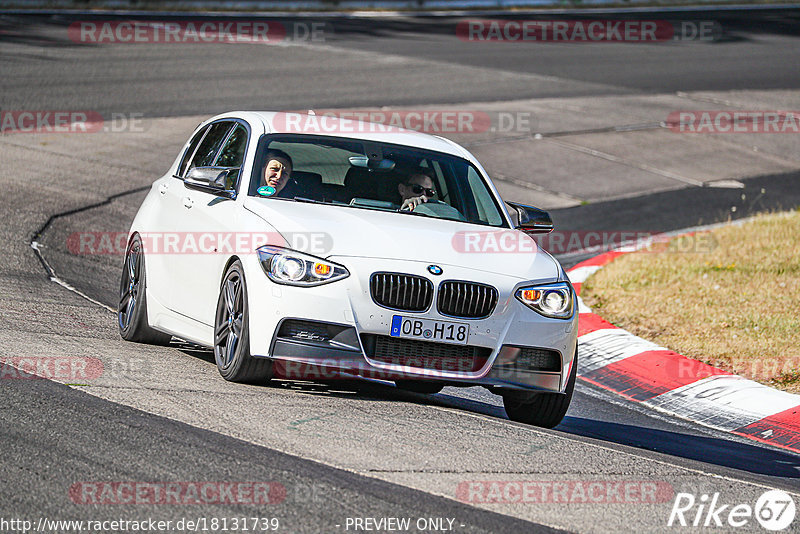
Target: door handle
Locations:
point(187, 202)
point(163, 189)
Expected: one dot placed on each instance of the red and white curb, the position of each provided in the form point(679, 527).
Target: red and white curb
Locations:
point(618, 361)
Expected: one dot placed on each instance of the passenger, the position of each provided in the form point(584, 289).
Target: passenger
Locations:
point(418, 189)
point(277, 171)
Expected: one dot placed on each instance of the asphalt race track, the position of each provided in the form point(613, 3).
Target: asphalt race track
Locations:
point(339, 451)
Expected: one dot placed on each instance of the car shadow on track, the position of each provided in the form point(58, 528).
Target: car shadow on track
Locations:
point(722, 452)
point(726, 453)
point(365, 389)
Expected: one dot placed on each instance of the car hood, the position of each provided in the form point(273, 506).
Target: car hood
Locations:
point(327, 230)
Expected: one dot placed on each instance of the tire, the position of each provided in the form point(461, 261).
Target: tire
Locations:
point(232, 333)
point(541, 409)
point(132, 307)
point(419, 386)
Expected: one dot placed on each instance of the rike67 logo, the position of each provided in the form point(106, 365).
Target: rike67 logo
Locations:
point(774, 510)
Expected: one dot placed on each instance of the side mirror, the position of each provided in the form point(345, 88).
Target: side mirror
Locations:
point(532, 220)
point(214, 180)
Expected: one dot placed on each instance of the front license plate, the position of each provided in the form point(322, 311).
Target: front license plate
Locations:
point(430, 330)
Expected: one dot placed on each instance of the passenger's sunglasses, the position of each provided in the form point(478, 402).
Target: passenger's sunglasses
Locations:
point(418, 189)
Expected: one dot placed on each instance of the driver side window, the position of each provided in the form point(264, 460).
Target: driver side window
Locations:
point(232, 155)
point(209, 146)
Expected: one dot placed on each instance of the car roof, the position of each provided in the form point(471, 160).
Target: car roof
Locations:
point(287, 122)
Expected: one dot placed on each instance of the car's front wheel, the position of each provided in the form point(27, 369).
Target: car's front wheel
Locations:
point(132, 307)
point(232, 334)
point(541, 409)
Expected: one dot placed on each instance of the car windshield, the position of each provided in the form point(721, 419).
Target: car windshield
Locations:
point(376, 176)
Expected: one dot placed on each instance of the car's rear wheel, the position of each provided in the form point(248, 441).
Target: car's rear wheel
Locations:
point(419, 386)
point(132, 307)
point(541, 409)
point(232, 334)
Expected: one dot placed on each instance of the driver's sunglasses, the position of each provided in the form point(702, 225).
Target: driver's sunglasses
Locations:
point(418, 189)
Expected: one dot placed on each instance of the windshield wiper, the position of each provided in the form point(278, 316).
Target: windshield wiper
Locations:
point(309, 200)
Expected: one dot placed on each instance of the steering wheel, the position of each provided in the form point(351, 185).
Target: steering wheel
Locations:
point(438, 208)
point(431, 201)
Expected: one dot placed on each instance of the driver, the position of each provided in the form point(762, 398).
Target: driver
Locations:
point(418, 189)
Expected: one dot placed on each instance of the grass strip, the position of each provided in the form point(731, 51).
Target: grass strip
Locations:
point(734, 305)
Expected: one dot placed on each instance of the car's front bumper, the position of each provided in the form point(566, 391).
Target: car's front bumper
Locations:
point(357, 322)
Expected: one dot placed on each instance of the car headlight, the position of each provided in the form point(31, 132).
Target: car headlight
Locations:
point(551, 300)
point(286, 266)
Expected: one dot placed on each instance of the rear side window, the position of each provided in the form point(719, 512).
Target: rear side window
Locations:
point(209, 146)
point(190, 151)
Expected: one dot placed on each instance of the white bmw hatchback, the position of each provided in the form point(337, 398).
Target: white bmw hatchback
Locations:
point(358, 251)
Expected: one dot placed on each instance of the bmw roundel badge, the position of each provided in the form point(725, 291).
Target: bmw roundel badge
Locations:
point(435, 270)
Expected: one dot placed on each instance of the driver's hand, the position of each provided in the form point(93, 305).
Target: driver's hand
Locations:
point(413, 202)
